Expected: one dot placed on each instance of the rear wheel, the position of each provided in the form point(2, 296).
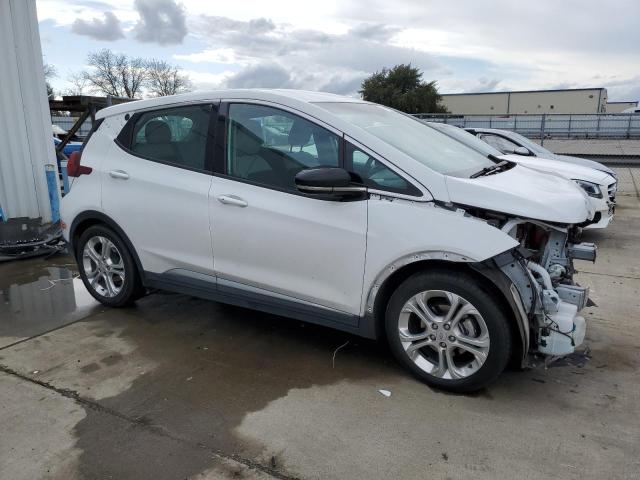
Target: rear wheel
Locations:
point(448, 331)
point(107, 267)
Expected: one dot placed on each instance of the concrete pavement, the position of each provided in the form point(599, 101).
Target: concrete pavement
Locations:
point(177, 387)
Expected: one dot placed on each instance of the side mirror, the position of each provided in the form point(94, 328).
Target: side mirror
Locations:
point(522, 151)
point(330, 183)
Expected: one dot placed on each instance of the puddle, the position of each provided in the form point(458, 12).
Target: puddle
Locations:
point(39, 295)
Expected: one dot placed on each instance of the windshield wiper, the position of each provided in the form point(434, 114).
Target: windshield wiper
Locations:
point(492, 169)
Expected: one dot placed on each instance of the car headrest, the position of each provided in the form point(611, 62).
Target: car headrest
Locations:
point(157, 131)
point(300, 133)
point(248, 140)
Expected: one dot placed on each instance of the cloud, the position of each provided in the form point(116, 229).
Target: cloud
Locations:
point(161, 21)
point(484, 85)
point(108, 29)
point(268, 75)
point(301, 57)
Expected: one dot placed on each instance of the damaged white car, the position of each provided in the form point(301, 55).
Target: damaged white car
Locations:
point(334, 211)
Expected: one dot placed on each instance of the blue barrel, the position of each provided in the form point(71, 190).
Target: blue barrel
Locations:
point(54, 196)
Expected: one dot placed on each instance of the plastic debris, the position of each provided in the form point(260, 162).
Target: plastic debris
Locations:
point(386, 393)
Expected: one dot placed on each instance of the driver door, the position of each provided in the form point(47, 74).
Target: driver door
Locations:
point(267, 236)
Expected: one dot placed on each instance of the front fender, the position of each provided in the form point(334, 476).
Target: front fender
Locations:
point(401, 232)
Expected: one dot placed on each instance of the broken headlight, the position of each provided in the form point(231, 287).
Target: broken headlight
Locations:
point(592, 189)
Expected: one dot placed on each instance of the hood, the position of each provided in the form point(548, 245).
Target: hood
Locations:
point(571, 171)
point(526, 193)
point(583, 162)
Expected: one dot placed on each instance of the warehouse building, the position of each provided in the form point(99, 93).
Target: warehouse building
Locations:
point(577, 100)
point(617, 107)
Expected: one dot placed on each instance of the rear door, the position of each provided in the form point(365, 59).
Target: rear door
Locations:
point(155, 186)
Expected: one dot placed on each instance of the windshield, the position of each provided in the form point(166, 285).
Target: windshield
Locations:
point(467, 138)
point(413, 137)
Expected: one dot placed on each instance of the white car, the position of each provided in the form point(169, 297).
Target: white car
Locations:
point(335, 211)
point(598, 185)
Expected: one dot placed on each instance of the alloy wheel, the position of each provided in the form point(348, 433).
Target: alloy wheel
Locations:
point(104, 267)
point(443, 334)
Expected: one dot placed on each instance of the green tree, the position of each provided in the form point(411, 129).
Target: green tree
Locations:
point(402, 88)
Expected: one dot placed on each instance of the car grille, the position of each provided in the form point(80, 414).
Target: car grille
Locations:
point(611, 190)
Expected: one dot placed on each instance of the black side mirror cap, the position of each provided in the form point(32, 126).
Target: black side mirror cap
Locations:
point(332, 183)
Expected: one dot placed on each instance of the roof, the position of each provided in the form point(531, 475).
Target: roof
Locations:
point(525, 91)
point(273, 95)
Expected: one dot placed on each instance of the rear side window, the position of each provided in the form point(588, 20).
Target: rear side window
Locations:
point(177, 136)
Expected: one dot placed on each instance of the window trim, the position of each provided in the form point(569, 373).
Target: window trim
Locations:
point(220, 165)
point(404, 175)
point(125, 137)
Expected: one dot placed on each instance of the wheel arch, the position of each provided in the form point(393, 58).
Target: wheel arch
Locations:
point(489, 278)
point(90, 218)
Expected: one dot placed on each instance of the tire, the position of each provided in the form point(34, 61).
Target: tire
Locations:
point(95, 268)
point(474, 336)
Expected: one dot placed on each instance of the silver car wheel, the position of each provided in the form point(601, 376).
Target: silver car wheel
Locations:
point(103, 266)
point(443, 334)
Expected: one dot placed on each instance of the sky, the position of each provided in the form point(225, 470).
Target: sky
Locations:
point(332, 45)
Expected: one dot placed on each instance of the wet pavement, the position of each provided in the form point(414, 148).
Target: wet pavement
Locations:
point(176, 387)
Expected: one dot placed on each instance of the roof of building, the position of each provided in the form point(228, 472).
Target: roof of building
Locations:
point(526, 91)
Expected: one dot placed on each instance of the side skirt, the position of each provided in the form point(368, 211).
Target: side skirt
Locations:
point(234, 293)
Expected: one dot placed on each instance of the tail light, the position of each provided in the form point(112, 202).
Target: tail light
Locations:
point(74, 169)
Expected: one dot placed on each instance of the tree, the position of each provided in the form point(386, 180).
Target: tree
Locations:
point(165, 79)
point(49, 73)
point(79, 84)
point(115, 74)
point(402, 88)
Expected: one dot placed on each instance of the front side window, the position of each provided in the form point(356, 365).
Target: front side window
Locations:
point(177, 136)
point(269, 146)
point(499, 143)
point(375, 174)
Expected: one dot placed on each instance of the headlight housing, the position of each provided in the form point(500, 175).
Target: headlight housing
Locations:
point(592, 189)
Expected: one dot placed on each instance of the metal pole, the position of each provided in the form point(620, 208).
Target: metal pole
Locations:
point(542, 122)
point(629, 126)
point(598, 127)
point(569, 132)
point(515, 123)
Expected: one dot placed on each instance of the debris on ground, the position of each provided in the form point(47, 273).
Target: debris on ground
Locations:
point(386, 393)
point(333, 361)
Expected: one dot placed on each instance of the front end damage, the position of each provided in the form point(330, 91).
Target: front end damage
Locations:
point(540, 271)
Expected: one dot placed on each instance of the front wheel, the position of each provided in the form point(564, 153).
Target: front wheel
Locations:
point(448, 331)
point(107, 267)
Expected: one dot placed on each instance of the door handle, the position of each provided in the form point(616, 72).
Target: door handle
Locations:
point(119, 174)
point(232, 200)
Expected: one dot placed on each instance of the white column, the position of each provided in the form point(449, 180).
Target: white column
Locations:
point(26, 144)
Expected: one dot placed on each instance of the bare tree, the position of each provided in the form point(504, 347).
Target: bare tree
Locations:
point(115, 74)
point(165, 79)
point(79, 84)
point(49, 73)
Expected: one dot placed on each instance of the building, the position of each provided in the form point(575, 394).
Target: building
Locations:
point(577, 100)
point(617, 107)
point(28, 170)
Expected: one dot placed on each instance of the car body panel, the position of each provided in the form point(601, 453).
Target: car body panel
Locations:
point(302, 247)
point(525, 193)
